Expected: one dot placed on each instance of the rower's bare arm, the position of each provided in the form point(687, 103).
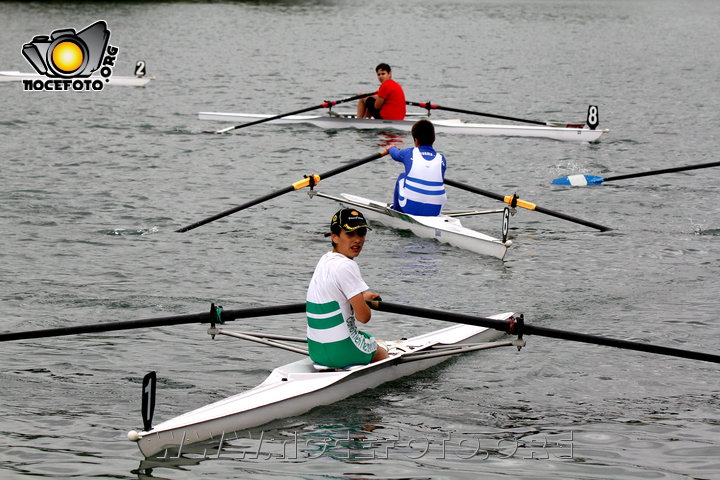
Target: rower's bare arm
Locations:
point(378, 101)
point(360, 307)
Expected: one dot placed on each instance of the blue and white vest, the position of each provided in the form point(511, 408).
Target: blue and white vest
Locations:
point(422, 190)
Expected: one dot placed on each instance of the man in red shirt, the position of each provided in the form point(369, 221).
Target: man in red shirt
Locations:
point(389, 101)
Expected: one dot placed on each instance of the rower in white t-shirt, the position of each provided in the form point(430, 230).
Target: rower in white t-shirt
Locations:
point(337, 296)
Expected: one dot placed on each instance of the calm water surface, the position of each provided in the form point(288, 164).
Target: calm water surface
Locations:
point(94, 185)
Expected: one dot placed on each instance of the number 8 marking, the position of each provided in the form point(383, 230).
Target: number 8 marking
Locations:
point(593, 117)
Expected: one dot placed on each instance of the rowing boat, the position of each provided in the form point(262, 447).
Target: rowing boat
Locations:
point(15, 76)
point(334, 120)
point(445, 228)
point(300, 386)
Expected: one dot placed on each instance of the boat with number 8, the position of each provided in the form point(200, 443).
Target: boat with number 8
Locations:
point(335, 120)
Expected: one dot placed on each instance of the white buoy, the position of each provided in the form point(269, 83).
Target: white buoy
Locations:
point(133, 436)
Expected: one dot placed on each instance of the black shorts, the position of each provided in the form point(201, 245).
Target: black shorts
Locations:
point(370, 105)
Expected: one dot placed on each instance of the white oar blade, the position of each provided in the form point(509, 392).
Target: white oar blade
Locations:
point(578, 180)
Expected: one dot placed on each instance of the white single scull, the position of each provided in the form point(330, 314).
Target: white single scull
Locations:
point(445, 228)
point(14, 76)
point(348, 120)
point(300, 386)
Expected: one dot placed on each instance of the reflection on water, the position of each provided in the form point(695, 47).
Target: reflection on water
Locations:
point(386, 139)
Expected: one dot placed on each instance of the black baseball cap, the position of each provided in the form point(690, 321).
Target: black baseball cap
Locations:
point(349, 220)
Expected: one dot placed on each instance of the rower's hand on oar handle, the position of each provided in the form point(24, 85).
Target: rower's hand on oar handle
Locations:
point(373, 300)
point(369, 296)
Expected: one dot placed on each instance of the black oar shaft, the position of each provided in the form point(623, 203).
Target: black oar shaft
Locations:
point(351, 165)
point(227, 315)
point(524, 204)
point(230, 211)
point(383, 306)
point(470, 112)
point(617, 343)
point(472, 189)
point(295, 186)
point(664, 170)
point(296, 112)
point(569, 218)
point(511, 328)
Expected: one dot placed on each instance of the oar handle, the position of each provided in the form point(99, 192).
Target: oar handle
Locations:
point(513, 201)
point(332, 103)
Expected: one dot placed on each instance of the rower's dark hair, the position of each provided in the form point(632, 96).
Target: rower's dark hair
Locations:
point(383, 66)
point(424, 132)
point(336, 230)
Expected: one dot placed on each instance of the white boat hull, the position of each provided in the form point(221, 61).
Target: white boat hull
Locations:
point(442, 228)
point(441, 126)
point(298, 387)
point(13, 76)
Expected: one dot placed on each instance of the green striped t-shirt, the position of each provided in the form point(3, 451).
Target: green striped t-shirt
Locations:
point(333, 338)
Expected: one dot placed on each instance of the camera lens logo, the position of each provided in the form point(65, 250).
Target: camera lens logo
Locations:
point(67, 54)
point(68, 57)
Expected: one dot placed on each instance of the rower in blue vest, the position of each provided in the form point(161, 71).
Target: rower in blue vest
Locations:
point(420, 190)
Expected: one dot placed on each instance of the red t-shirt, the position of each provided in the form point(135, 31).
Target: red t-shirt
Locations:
point(393, 108)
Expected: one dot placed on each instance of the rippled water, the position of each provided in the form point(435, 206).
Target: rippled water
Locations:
point(94, 185)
